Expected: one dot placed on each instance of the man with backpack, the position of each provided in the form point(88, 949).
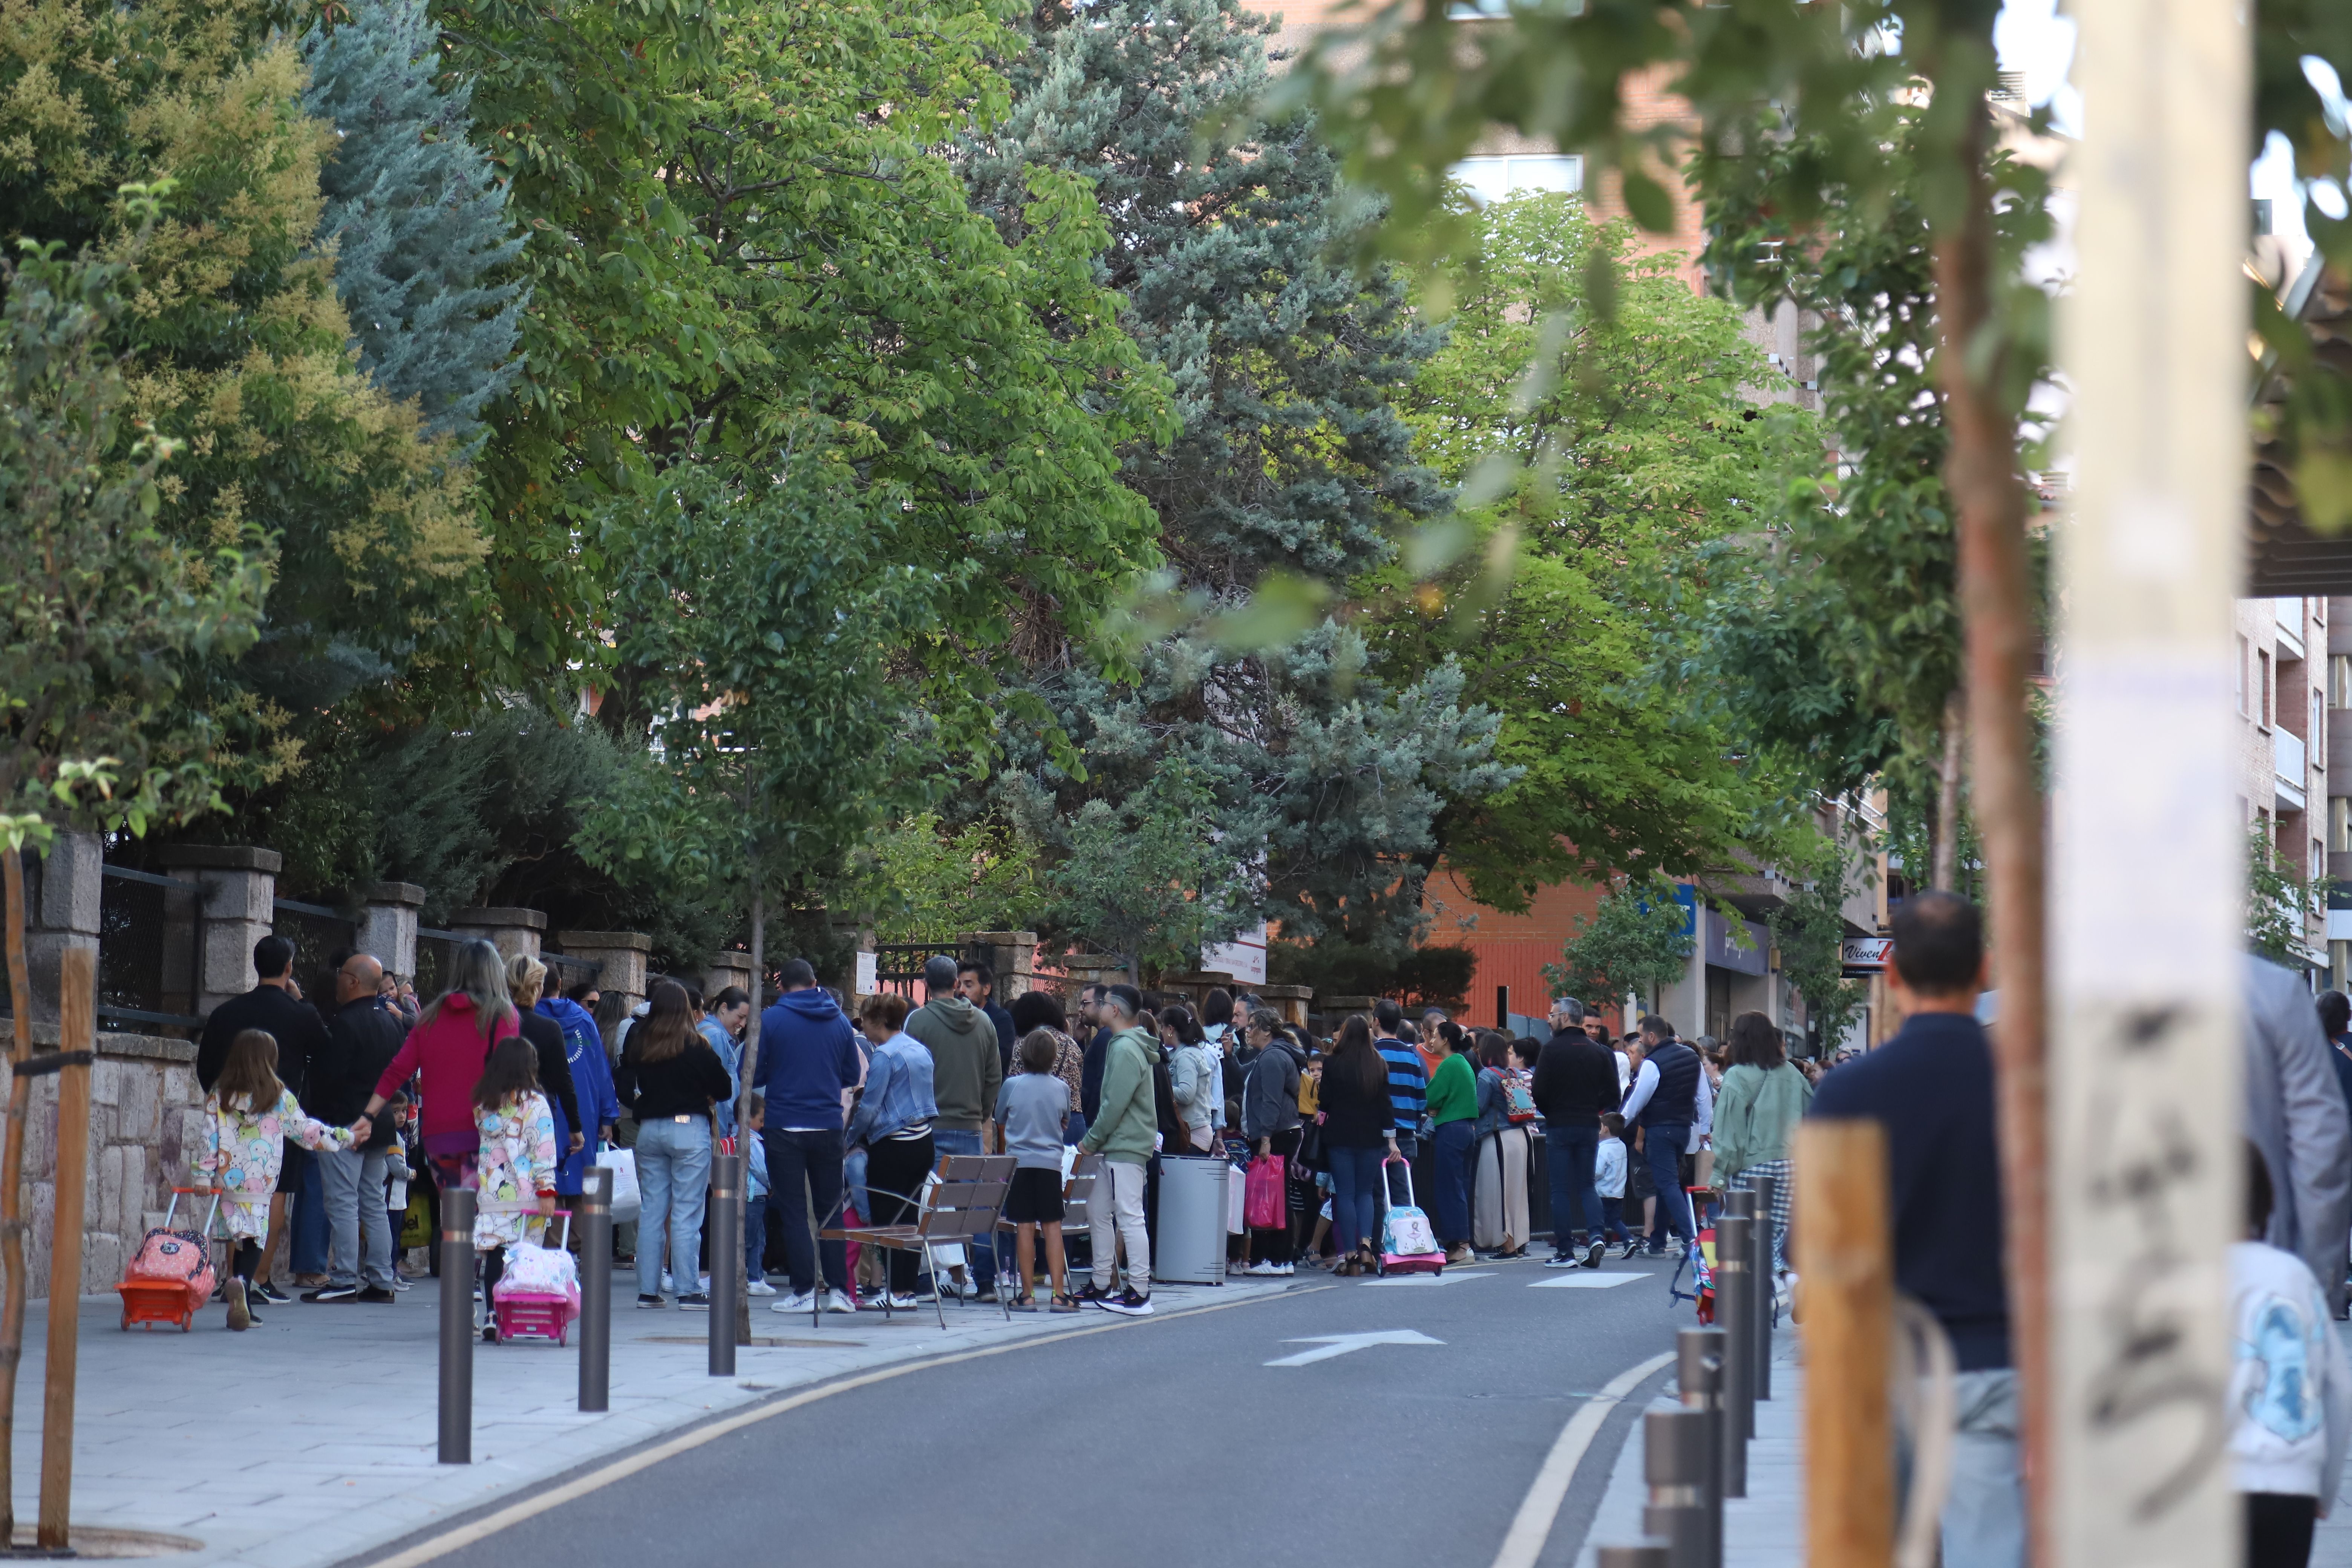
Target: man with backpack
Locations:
point(1664, 1104)
point(1576, 1080)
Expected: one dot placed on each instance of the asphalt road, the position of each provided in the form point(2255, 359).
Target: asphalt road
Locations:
point(1167, 1441)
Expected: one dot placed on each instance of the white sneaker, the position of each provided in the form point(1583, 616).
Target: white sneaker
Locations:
point(902, 1303)
point(798, 1301)
point(837, 1302)
point(666, 1286)
point(1264, 1266)
point(1286, 1269)
point(759, 1288)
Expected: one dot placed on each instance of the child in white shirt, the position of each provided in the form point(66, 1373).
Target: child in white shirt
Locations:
point(1609, 1178)
point(2290, 1393)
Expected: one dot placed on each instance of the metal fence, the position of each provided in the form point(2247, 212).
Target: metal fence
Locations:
point(563, 973)
point(135, 960)
point(316, 933)
point(434, 950)
point(899, 965)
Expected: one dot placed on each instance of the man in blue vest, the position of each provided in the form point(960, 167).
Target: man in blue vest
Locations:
point(1663, 1103)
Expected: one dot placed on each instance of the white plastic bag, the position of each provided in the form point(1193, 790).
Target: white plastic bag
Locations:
point(1236, 1200)
point(626, 1201)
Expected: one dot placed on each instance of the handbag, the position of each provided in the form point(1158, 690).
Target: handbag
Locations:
point(1310, 1155)
point(1236, 1201)
point(1265, 1205)
point(627, 1204)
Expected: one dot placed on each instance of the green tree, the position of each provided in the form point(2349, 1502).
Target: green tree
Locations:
point(2280, 903)
point(1148, 880)
point(417, 218)
point(1809, 928)
point(1639, 938)
point(1612, 448)
point(917, 879)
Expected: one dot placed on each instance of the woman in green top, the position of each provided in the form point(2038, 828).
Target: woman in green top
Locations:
point(1756, 1114)
point(1453, 1108)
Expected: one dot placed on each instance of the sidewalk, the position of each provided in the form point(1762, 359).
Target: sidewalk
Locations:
point(311, 1437)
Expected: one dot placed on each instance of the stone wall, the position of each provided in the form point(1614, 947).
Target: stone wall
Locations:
point(145, 1113)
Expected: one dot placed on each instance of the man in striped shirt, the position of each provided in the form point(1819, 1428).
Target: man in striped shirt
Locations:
point(1408, 1081)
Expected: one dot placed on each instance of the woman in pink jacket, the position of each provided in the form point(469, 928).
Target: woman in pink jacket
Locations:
point(450, 1045)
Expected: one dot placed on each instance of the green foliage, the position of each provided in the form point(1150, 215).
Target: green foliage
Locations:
point(918, 880)
point(2280, 903)
point(1419, 976)
point(1147, 880)
point(1809, 928)
point(1638, 939)
point(1603, 452)
point(104, 608)
point(417, 218)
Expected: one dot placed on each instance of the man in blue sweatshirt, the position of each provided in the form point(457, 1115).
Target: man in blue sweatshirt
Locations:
point(806, 1061)
point(1932, 1087)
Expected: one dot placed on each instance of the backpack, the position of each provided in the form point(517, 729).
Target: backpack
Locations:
point(170, 1257)
point(1408, 1245)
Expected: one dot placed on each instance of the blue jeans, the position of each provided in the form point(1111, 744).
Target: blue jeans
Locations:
point(1661, 1145)
point(1450, 1148)
point(952, 1141)
point(1984, 1513)
point(755, 1237)
point(1612, 1219)
point(804, 1173)
point(1576, 1211)
point(305, 1217)
point(1355, 1196)
point(674, 1181)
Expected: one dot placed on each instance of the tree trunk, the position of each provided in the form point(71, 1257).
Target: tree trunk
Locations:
point(1997, 611)
point(743, 1104)
point(12, 1197)
point(1944, 860)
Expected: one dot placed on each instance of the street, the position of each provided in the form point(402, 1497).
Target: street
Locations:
point(1169, 1440)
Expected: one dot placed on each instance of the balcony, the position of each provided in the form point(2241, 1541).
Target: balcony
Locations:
point(2287, 615)
point(2292, 767)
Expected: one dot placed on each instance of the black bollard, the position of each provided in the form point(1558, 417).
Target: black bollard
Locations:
point(1698, 1373)
point(593, 1216)
point(1675, 1463)
point(1735, 1253)
point(726, 1212)
point(1767, 1239)
point(456, 1326)
point(1640, 1554)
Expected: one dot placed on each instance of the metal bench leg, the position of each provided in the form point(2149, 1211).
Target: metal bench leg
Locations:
point(937, 1306)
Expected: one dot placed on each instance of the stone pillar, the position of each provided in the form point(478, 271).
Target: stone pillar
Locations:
point(234, 911)
point(1012, 955)
point(1292, 1002)
point(729, 968)
point(1080, 969)
point(388, 926)
point(624, 955)
point(510, 931)
point(63, 898)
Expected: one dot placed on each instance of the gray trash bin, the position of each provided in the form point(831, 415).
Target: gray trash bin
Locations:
point(1191, 1249)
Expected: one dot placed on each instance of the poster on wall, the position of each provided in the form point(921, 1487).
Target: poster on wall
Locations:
point(868, 982)
point(1243, 958)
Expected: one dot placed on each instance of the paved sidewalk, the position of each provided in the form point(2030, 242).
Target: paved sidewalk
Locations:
point(311, 1437)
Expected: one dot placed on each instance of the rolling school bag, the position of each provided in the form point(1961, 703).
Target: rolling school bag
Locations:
point(171, 1275)
point(1408, 1245)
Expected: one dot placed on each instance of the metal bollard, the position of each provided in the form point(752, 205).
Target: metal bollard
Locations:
point(1765, 1186)
point(1698, 1373)
point(1735, 1253)
point(456, 1326)
point(1745, 1203)
point(593, 1216)
point(726, 1212)
point(1640, 1554)
point(1675, 1462)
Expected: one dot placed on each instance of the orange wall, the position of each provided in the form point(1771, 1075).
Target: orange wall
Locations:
point(1512, 950)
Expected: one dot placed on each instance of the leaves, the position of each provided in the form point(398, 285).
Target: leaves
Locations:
point(1639, 938)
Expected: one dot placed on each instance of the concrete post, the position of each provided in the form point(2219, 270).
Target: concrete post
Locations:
point(1080, 969)
point(388, 926)
point(1292, 1002)
point(233, 912)
point(63, 896)
point(624, 955)
point(510, 931)
point(1012, 955)
point(729, 968)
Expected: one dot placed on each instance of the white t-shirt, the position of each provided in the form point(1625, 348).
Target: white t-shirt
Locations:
point(2291, 1388)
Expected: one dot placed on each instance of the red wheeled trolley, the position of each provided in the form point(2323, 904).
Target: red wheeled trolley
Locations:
point(171, 1276)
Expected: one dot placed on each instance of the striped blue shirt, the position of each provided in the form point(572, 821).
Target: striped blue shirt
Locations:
point(1408, 1084)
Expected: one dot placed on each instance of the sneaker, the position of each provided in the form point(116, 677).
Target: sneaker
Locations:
point(1264, 1268)
point(1461, 1256)
point(1091, 1292)
point(1563, 1260)
point(798, 1301)
point(666, 1283)
point(270, 1293)
point(902, 1303)
point(489, 1333)
point(403, 1282)
point(332, 1293)
point(839, 1301)
point(1595, 1253)
point(1126, 1304)
point(757, 1288)
point(694, 1301)
point(240, 1315)
point(1286, 1269)
point(376, 1295)
point(650, 1304)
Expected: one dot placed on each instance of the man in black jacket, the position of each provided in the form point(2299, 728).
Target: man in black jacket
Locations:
point(361, 1040)
point(273, 1008)
point(1576, 1080)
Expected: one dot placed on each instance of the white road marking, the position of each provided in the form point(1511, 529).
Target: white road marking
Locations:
point(1331, 1345)
point(1531, 1526)
point(1586, 1281)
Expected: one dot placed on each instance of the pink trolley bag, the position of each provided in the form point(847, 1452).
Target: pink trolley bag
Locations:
point(538, 1297)
point(172, 1274)
point(1408, 1245)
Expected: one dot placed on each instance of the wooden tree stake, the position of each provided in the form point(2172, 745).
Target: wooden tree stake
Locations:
point(1846, 1266)
point(78, 1037)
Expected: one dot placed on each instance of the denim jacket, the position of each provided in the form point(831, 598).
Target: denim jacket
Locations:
point(898, 1091)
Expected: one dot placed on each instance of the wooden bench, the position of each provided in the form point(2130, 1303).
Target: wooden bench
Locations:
point(1076, 1188)
point(960, 1208)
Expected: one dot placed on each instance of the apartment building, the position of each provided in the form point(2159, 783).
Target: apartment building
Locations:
point(2286, 693)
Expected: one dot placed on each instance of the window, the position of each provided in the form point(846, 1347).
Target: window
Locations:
point(1491, 179)
point(2339, 680)
point(2263, 712)
point(2318, 734)
point(2242, 675)
point(2339, 824)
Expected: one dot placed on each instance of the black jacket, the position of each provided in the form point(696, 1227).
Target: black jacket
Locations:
point(1576, 1080)
point(1090, 1073)
point(361, 1040)
point(686, 1084)
point(1005, 1038)
point(546, 1037)
point(300, 1034)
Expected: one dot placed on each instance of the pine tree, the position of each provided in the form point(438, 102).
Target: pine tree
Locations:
point(419, 215)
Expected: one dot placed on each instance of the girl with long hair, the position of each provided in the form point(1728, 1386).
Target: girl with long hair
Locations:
point(248, 1117)
point(670, 1077)
point(1756, 1118)
point(1359, 1135)
point(447, 1051)
point(517, 1160)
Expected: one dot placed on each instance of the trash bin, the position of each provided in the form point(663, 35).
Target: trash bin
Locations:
point(1191, 1249)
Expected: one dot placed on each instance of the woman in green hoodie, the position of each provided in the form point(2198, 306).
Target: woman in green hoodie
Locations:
point(1756, 1114)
